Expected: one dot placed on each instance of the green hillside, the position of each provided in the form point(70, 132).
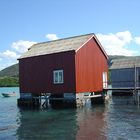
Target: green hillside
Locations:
point(12, 71)
point(9, 82)
point(9, 77)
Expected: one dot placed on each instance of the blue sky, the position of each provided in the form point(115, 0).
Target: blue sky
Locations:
point(25, 22)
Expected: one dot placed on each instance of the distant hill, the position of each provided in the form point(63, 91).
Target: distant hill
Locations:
point(12, 71)
point(9, 77)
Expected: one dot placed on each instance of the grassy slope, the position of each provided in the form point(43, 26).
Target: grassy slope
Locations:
point(9, 81)
point(9, 76)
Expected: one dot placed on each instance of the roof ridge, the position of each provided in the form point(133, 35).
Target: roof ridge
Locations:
point(127, 57)
point(73, 43)
point(64, 38)
point(127, 62)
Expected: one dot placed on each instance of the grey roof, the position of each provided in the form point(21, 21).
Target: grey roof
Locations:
point(56, 46)
point(127, 62)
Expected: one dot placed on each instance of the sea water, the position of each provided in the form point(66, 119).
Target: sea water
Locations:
point(118, 119)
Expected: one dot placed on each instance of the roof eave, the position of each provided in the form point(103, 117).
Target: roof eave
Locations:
point(84, 43)
point(101, 47)
point(96, 39)
point(46, 54)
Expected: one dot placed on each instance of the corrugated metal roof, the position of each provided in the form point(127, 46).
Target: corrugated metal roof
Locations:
point(56, 46)
point(128, 62)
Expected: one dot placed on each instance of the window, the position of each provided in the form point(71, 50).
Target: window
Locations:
point(58, 77)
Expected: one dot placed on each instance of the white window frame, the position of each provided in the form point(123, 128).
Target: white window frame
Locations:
point(58, 80)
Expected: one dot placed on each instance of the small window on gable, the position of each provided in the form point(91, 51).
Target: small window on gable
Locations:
point(58, 77)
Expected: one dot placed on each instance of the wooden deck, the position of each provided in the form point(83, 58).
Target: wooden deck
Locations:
point(92, 96)
point(123, 88)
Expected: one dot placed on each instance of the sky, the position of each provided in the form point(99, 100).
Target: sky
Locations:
point(23, 23)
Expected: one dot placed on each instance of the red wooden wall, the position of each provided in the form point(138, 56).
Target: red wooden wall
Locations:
point(83, 71)
point(36, 73)
point(90, 65)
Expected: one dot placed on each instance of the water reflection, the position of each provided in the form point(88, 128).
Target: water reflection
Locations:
point(122, 118)
point(9, 117)
point(65, 124)
point(49, 124)
point(91, 124)
point(113, 121)
point(119, 119)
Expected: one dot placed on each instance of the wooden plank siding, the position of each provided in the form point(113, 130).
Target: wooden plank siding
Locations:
point(90, 65)
point(36, 73)
point(125, 77)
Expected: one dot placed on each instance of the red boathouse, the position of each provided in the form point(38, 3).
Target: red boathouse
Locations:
point(66, 68)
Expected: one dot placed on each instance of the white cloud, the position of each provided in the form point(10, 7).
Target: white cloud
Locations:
point(125, 36)
point(9, 55)
point(137, 40)
point(51, 36)
point(7, 64)
point(22, 46)
point(115, 44)
point(8, 58)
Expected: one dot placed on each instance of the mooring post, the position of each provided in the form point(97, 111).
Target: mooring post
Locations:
point(46, 101)
point(135, 96)
point(40, 99)
point(138, 98)
point(135, 86)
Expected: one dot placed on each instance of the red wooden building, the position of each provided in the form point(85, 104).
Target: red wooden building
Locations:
point(70, 66)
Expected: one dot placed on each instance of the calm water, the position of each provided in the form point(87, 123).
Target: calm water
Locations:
point(119, 119)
